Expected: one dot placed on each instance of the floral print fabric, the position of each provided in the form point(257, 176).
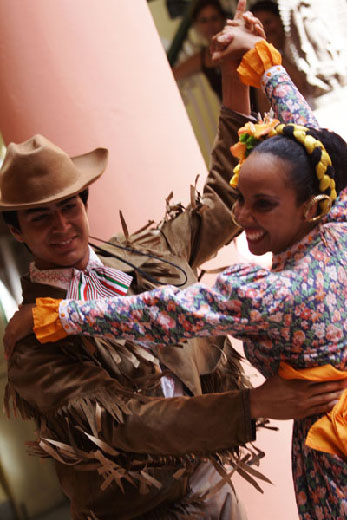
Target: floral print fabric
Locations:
point(288, 104)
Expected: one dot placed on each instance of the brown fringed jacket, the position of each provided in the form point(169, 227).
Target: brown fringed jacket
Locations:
point(121, 449)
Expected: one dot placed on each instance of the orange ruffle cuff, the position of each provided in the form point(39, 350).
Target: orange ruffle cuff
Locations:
point(328, 434)
point(257, 61)
point(47, 324)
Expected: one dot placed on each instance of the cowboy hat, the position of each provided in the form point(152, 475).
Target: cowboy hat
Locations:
point(37, 172)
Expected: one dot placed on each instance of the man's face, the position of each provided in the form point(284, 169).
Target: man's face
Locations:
point(56, 233)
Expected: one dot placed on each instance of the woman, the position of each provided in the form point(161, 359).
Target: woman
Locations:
point(291, 201)
point(208, 19)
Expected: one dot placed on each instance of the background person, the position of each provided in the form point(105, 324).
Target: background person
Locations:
point(208, 19)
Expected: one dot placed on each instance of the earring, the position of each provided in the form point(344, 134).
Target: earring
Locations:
point(312, 202)
point(233, 218)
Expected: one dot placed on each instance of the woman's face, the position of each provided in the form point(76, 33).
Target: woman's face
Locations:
point(267, 207)
point(209, 22)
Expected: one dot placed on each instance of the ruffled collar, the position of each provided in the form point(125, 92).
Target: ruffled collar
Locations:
point(60, 278)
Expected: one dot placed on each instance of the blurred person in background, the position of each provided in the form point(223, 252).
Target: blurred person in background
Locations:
point(208, 19)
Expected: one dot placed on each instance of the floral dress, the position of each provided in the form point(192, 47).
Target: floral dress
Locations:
point(295, 312)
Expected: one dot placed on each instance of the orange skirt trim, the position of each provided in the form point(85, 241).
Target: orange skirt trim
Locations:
point(328, 434)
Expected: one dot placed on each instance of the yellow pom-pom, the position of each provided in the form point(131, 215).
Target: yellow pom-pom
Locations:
point(310, 143)
point(236, 169)
point(279, 129)
point(299, 135)
point(332, 184)
point(234, 180)
point(325, 159)
point(333, 195)
point(324, 183)
point(321, 169)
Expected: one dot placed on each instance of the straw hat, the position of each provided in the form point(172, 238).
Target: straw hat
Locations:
point(37, 172)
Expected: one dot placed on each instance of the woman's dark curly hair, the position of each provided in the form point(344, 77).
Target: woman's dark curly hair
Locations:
point(302, 176)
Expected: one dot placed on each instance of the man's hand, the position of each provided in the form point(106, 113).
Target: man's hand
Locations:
point(279, 398)
point(20, 325)
point(238, 36)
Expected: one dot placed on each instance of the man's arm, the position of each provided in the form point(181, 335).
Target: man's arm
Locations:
point(210, 227)
point(73, 399)
point(70, 396)
point(200, 231)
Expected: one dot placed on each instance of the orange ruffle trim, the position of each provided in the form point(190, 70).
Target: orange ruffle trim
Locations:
point(47, 324)
point(328, 434)
point(256, 61)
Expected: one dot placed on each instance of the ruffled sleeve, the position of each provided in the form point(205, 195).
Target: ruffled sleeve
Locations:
point(47, 324)
point(261, 67)
point(256, 61)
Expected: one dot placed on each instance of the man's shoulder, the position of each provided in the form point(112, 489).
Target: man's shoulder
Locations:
point(32, 290)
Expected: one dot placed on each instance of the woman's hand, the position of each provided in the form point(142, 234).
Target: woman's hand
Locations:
point(279, 398)
point(19, 326)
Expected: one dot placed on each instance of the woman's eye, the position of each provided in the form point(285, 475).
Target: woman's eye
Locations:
point(264, 205)
point(240, 198)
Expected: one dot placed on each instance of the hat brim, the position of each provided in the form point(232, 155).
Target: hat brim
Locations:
point(90, 166)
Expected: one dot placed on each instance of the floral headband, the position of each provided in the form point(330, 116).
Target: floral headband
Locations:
point(252, 134)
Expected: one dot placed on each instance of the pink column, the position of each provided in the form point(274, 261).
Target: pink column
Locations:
point(87, 74)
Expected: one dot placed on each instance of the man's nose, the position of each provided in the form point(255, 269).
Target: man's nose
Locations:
point(60, 221)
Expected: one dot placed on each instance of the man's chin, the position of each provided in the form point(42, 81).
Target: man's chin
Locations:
point(63, 261)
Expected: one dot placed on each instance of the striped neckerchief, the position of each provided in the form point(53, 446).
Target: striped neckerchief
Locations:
point(93, 282)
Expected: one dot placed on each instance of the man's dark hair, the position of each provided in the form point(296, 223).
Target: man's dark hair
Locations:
point(11, 217)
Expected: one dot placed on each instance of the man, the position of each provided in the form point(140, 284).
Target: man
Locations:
point(90, 399)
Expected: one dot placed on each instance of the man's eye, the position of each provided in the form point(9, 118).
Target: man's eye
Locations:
point(70, 207)
point(38, 218)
